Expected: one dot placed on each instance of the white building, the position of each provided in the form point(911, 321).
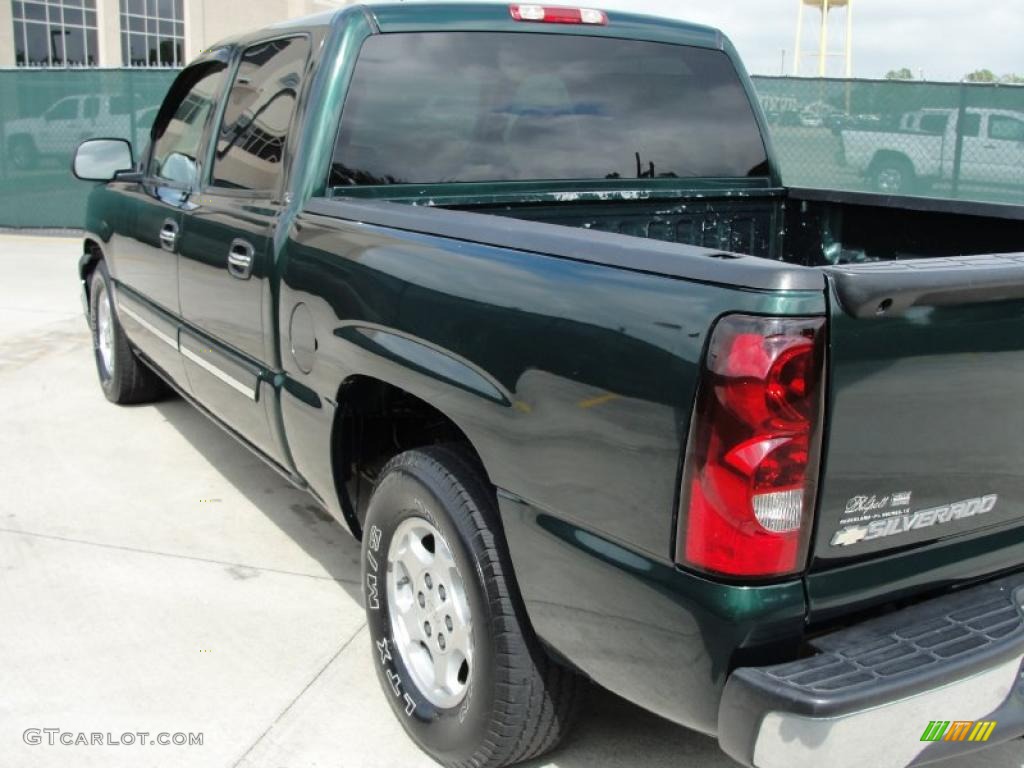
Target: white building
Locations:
point(131, 33)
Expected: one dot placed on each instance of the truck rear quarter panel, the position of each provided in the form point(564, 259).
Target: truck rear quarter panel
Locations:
point(574, 382)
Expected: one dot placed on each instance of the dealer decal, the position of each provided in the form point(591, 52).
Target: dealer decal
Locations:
point(959, 730)
point(872, 517)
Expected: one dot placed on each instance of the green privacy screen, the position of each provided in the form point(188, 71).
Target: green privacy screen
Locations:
point(951, 140)
point(43, 116)
point(928, 139)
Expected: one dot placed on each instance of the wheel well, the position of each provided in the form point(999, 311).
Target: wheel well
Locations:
point(889, 156)
point(374, 422)
point(91, 256)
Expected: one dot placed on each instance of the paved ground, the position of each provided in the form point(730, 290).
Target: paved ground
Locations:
point(156, 577)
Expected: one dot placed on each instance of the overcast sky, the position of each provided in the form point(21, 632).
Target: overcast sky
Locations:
point(944, 38)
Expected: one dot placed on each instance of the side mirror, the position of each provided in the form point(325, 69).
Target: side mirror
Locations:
point(179, 168)
point(101, 159)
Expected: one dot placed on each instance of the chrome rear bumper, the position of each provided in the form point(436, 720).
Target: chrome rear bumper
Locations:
point(871, 693)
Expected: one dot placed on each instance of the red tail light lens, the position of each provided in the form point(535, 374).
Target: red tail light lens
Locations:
point(751, 467)
point(553, 14)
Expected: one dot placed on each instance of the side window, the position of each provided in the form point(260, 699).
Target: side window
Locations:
point(250, 145)
point(972, 125)
point(178, 138)
point(65, 109)
point(1005, 128)
point(120, 104)
point(935, 124)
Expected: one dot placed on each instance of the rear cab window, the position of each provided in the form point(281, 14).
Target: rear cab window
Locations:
point(445, 107)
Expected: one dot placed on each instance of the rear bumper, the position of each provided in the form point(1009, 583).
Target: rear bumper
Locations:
point(870, 693)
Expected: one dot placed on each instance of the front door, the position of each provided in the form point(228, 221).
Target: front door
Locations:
point(146, 259)
point(227, 243)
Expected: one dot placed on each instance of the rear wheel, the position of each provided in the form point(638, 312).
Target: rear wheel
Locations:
point(454, 653)
point(124, 378)
point(893, 176)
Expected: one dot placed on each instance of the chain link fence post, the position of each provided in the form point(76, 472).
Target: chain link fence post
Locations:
point(958, 152)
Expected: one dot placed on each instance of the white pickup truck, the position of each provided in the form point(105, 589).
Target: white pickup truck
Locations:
point(923, 150)
point(67, 122)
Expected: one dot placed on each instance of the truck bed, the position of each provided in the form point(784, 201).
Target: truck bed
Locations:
point(806, 227)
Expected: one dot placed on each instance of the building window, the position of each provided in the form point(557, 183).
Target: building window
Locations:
point(55, 33)
point(152, 33)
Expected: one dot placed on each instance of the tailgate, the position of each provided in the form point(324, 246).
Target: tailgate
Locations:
point(924, 446)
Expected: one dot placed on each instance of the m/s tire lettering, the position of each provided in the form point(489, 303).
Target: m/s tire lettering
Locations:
point(371, 596)
point(372, 601)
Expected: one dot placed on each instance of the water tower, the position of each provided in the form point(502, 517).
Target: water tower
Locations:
point(824, 6)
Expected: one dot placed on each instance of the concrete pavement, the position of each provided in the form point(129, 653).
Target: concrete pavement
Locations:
point(156, 577)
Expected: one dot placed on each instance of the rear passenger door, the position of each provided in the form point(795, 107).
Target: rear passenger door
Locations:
point(226, 253)
point(1005, 149)
point(973, 166)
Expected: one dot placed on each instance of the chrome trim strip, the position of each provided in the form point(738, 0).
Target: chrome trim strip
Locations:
point(210, 368)
point(148, 326)
point(886, 736)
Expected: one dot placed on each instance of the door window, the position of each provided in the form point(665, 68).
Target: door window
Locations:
point(1005, 128)
point(972, 125)
point(180, 134)
point(935, 124)
point(66, 109)
point(258, 114)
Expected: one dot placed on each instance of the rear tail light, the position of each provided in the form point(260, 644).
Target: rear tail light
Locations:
point(553, 14)
point(751, 467)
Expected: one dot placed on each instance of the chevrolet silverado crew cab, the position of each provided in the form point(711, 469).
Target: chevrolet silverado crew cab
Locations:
point(517, 294)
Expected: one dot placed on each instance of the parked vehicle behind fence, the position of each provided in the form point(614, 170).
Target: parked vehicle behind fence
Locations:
point(930, 146)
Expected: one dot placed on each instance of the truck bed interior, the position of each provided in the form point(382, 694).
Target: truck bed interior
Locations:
point(805, 227)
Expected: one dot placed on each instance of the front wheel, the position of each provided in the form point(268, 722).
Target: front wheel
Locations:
point(453, 650)
point(124, 378)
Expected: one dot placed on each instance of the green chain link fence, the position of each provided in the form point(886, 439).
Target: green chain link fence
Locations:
point(948, 140)
point(951, 140)
point(44, 114)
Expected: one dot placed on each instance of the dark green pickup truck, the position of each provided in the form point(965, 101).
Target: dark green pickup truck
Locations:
point(517, 294)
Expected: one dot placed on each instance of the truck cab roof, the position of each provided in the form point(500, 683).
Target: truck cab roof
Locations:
point(496, 17)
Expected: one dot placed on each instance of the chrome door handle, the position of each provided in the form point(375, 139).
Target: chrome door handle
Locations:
point(169, 235)
point(240, 259)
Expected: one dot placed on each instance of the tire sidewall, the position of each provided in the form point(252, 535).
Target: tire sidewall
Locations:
point(100, 291)
point(450, 735)
point(906, 176)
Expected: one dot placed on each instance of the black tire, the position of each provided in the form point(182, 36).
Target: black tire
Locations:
point(22, 153)
point(518, 702)
point(893, 176)
point(126, 380)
